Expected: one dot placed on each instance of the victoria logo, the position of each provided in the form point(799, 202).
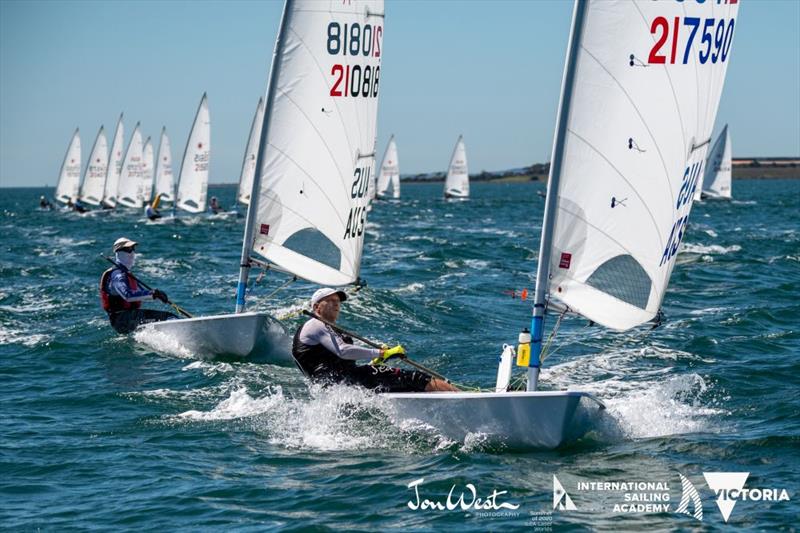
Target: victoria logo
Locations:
point(729, 487)
point(561, 499)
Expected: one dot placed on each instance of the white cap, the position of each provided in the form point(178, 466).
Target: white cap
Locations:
point(324, 292)
point(123, 242)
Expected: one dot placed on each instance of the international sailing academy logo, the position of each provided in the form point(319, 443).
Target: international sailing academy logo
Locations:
point(689, 495)
point(561, 499)
point(729, 487)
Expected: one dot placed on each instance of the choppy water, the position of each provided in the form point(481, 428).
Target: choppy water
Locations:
point(100, 430)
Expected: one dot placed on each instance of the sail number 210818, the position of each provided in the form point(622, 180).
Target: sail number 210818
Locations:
point(359, 42)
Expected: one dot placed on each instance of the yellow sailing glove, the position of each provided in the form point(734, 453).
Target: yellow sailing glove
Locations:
point(390, 353)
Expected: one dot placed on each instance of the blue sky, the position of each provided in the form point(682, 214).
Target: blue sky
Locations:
point(488, 69)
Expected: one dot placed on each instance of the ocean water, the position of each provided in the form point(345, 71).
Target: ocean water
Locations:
point(126, 433)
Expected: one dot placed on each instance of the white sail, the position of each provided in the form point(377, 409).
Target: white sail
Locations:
point(640, 110)
point(250, 154)
point(317, 151)
point(69, 178)
point(717, 181)
point(390, 171)
point(164, 179)
point(193, 181)
point(456, 185)
point(148, 172)
point(129, 190)
point(114, 168)
point(94, 178)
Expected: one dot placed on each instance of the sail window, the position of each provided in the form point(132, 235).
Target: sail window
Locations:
point(624, 278)
point(311, 243)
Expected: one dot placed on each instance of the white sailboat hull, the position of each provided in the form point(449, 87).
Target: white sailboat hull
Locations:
point(539, 419)
point(243, 335)
point(455, 194)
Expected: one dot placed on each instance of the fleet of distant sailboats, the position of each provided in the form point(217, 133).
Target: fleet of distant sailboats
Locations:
point(132, 176)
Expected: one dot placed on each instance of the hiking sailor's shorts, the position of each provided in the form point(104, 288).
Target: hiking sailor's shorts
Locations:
point(378, 378)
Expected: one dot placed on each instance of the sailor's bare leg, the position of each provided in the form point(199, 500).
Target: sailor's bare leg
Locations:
point(439, 385)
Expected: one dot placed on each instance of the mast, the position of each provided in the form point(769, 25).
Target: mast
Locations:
point(252, 208)
point(545, 247)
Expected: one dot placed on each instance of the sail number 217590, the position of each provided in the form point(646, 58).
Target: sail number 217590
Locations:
point(713, 38)
point(358, 42)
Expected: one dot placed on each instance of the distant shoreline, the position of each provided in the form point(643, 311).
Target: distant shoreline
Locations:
point(743, 169)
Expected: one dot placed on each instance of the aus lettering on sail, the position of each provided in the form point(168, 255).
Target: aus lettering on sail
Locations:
point(693, 41)
point(685, 196)
point(357, 218)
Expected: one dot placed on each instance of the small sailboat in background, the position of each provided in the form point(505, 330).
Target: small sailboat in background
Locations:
point(94, 178)
point(307, 210)
point(456, 184)
point(717, 180)
point(193, 176)
point(250, 155)
point(69, 177)
point(618, 198)
point(165, 186)
point(148, 171)
point(129, 189)
point(390, 172)
point(114, 168)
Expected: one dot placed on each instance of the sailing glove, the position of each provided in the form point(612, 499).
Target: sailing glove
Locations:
point(389, 353)
point(160, 295)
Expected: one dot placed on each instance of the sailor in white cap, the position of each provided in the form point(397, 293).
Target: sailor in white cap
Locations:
point(326, 356)
point(121, 295)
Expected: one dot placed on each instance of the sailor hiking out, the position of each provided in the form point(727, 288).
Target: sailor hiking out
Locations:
point(45, 204)
point(215, 206)
point(121, 296)
point(326, 356)
point(151, 212)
